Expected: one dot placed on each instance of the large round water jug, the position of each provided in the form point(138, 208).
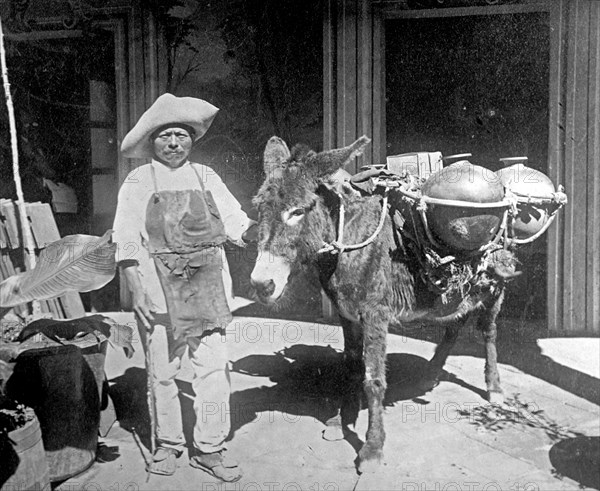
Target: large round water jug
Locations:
point(525, 181)
point(462, 228)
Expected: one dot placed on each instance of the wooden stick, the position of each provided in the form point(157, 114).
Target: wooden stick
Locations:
point(26, 230)
point(149, 387)
point(136, 438)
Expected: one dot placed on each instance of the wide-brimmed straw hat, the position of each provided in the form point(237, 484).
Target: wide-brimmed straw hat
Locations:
point(167, 109)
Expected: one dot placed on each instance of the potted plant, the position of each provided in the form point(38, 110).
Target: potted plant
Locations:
point(21, 449)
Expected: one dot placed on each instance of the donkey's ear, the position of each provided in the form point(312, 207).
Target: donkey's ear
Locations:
point(276, 152)
point(329, 161)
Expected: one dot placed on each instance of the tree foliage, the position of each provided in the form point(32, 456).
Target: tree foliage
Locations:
point(260, 62)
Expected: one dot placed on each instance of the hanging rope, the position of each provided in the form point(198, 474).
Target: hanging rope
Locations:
point(25, 228)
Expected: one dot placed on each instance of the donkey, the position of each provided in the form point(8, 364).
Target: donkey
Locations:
point(372, 287)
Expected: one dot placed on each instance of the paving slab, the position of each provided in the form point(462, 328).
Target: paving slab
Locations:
point(285, 385)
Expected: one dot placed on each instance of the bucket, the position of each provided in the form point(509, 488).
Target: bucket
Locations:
point(23, 459)
point(63, 384)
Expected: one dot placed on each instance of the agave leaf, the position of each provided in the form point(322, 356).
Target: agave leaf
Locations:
point(80, 263)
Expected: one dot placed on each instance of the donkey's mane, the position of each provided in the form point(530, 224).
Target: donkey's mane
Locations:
point(300, 152)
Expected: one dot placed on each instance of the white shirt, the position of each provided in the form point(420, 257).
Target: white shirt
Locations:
point(129, 226)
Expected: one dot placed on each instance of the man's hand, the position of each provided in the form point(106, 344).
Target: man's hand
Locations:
point(141, 306)
point(250, 236)
point(141, 303)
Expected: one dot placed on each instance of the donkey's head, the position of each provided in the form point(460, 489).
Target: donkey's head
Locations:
point(292, 220)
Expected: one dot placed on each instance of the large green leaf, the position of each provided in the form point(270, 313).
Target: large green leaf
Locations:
point(79, 263)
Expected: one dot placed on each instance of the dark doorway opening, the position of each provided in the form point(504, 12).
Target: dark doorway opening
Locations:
point(475, 84)
point(63, 87)
point(50, 82)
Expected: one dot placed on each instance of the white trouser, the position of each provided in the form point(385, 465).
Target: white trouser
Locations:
point(211, 386)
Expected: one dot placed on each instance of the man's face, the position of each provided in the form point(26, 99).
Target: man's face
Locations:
point(172, 146)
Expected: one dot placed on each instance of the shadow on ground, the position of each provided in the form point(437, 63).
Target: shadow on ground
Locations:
point(526, 355)
point(129, 395)
point(517, 346)
point(309, 381)
point(579, 459)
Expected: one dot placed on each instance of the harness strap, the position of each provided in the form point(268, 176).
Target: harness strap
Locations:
point(338, 245)
point(155, 181)
point(509, 203)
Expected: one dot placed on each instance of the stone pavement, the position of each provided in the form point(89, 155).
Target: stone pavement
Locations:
point(285, 385)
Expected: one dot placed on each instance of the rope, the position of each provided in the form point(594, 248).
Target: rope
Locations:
point(338, 245)
point(422, 209)
point(453, 202)
point(559, 198)
point(539, 233)
point(465, 204)
point(509, 202)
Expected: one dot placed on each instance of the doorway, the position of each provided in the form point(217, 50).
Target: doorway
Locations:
point(54, 81)
point(475, 84)
point(63, 87)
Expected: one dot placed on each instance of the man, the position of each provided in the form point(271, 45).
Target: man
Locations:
point(171, 221)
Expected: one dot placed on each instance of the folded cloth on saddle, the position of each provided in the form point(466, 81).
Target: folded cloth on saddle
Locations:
point(365, 181)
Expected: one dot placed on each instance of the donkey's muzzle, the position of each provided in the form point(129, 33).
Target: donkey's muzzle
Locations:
point(264, 289)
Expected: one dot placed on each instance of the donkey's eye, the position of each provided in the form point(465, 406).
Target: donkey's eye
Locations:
point(292, 217)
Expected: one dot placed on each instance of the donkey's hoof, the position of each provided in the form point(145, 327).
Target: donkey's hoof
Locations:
point(495, 396)
point(369, 459)
point(333, 433)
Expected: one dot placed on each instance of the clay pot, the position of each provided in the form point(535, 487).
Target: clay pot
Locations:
point(525, 181)
point(459, 227)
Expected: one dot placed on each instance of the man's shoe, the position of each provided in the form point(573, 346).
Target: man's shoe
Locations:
point(217, 464)
point(164, 461)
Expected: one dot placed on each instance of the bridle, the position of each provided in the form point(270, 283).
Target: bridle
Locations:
point(338, 246)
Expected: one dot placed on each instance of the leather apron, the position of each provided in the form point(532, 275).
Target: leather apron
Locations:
point(185, 235)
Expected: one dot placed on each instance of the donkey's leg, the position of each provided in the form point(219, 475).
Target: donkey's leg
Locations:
point(434, 369)
point(487, 325)
point(374, 330)
point(354, 366)
point(354, 370)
